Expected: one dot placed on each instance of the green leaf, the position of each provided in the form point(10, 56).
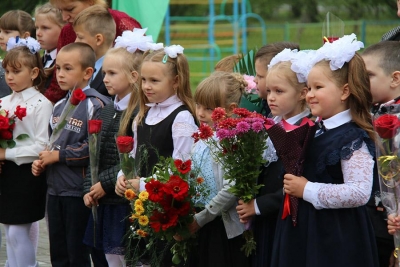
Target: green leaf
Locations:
point(3, 144)
point(22, 137)
point(11, 143)
point(246, 64)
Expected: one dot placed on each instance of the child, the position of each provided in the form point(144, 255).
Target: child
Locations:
point(20, 190)
point(384, 74)
point(286, 96)
point(48, 23)
point(96, 27)
point(12, 24)
point(333, 227)
point(67, 165)
point(122, 80)
point(219, 230)
point(165, 122)
point(69, 9)
point(228, 63)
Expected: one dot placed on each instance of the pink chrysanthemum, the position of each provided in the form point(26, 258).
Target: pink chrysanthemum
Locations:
point(242, 127)
point(257, 126)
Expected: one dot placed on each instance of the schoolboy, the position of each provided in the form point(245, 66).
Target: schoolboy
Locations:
point(66, 166)
point(383, 66)
point(96, 27)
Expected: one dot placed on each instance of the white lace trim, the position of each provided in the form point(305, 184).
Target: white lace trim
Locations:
point(270, 153)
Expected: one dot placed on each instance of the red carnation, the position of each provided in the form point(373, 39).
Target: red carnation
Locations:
point(20, 112)
point(77, 96)
point(125, 144)
point(164, 220)
point(95, 126)
point(4, 123)
point(196, 136)
point(183, 167)
point(242, 112)
point(155, 190)
point(177, 187)
point(205, 131)
point(218, 114)
point(6, 135)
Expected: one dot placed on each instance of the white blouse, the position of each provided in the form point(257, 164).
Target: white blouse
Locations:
point(35, 124)
point(357, 176)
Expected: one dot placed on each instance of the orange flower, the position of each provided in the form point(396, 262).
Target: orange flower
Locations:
point(142, 233)
point(200, 180)
point(129, 194)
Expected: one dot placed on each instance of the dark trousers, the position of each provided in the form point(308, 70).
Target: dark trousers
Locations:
point(67, 225)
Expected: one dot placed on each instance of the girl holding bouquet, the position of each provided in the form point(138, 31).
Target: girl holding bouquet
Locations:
point(333, 227)
point(286, 96)
point(25, 138)
point(219, 231)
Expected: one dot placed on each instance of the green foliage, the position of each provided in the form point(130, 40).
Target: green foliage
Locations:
point(246, 64)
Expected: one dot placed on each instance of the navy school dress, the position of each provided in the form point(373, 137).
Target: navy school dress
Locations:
point(328, 237)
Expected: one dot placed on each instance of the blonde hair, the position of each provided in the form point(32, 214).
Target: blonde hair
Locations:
point(130, 62)
point(97, 20)
point(220, 89)
point(354, 73)
point(228, 63)
point(178, 66)
point(95, 2)
point(22, 56)
point(18, 20)
point(283, 70)
point(51, 13)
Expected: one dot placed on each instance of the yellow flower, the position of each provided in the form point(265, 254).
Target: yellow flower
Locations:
point(139, 209)
point(143, 196)
point(142, 233)
point(129, 194)
point(143, 220)
point(138, 202)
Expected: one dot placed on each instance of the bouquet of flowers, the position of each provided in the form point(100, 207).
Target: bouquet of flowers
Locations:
point(240, 146)
point(387, 125)
point(7, 125)
point(76, 97)
point(94, 149)
point(165, 209)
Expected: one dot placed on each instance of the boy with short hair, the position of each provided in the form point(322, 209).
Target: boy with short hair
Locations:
point(96, 27)
point(383, 66)
point(66, 166)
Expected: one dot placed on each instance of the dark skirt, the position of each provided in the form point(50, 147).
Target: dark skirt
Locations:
point(264, 232)
point(22, 195)
point(111, 229)
point(215, 249)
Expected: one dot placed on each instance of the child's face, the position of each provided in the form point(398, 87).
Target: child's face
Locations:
point(19, 79)
point(203, 114)
point(5, 35)
point(259, 79)
point(380, 81)
point(47, 32)
point(283, 99)
point(157, 83)
point(115, 78)
point(69, 9)
point(69, 71)
point(83, 36)
point(324, 97)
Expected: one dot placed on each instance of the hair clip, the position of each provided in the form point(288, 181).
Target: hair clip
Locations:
point(29, 42)
point(172, 52)
point(136, 40)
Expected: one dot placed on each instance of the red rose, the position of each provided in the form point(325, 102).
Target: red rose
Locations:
point(386, 126)
point(95, 126)
point(183, 167)
point(4, 123)
point(20, 112)
point(125, 144)
point(77, 96)
point(176, 187)
point(6, 135)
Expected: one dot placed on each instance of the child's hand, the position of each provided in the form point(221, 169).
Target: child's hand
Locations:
point(49, 157)
point(97, 191)
point(37, 168)
point(133, 184)
point(120, 186)
point(194, 226)
point(294, 185)
point(89, 201)
point(245, 210)
point(393, 224)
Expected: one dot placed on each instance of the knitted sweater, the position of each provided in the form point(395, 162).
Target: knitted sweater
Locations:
point(109, 158)
point(123, 23)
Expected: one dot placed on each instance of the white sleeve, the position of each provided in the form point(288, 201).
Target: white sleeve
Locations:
point(354, 192)
point(182, 130)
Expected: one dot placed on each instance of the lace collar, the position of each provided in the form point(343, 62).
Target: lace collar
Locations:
point(337, 120)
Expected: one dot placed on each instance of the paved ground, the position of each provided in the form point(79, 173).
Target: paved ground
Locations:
point(43, 254)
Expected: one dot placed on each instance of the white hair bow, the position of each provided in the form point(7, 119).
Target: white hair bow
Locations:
point(29, 42)
point(173, 50)
point(136, 40)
